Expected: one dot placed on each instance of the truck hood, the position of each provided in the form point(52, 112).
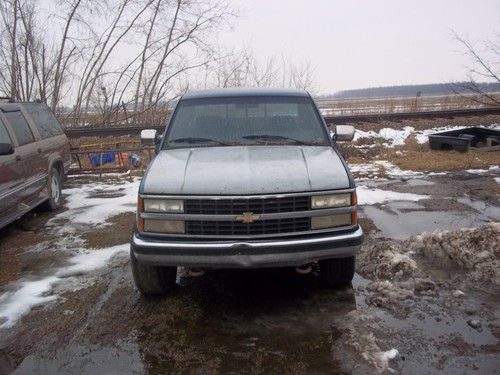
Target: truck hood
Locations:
point(243, 170)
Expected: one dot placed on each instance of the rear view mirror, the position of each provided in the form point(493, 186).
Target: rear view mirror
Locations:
point(148, 137)
point(6, 149)
point(344, 133)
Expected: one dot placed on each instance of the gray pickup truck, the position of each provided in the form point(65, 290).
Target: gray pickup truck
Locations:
point(245, 178)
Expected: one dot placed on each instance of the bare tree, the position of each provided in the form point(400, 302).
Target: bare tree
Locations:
point(485, 67)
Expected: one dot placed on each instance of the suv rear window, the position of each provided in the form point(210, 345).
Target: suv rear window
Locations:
point(44, 119)
point(20, 127)
point(4, 136)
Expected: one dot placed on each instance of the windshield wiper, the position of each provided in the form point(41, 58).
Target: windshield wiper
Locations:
point(197, 140)
point(273, 137)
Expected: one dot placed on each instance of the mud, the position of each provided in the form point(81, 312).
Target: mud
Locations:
point(433, 297)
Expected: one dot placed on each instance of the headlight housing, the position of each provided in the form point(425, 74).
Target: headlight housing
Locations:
point(163, 205)
point(331, 200)
point(331, 221)
point(164, 226)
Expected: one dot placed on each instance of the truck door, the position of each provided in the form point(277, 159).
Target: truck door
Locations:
point(11, 179)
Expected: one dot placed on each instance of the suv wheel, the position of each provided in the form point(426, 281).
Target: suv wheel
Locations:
point(338, 271)
point(152, 279)
point(54, 187)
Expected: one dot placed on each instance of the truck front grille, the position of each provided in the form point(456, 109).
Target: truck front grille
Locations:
point(238, 205)
point(234, 228)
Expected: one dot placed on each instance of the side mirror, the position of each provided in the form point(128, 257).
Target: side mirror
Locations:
point(148, 137)
point(344, 133)
point(6, 149)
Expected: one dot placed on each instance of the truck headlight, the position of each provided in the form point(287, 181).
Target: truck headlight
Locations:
point(163, 205)
point(164, 226)
point(331, 200)
point(330, 221)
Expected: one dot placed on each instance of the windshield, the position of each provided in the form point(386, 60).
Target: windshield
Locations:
point(245, 121)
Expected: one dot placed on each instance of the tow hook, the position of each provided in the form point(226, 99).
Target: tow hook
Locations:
point(304, 269)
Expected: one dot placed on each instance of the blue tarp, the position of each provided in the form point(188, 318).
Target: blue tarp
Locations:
point(107, 157)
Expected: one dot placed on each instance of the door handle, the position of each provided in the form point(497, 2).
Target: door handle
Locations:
point(39, 150)
point(18, 157)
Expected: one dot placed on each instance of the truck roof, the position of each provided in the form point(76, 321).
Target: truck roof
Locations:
point(231, 92)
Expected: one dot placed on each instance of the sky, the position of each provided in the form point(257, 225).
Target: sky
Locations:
point(366, 43)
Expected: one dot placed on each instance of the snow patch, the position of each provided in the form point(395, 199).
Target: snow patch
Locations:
point(88, 204)
point(394, 137)
point(367, 196)
point(15, 304)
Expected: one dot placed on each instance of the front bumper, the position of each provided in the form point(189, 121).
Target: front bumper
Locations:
point(246, 254)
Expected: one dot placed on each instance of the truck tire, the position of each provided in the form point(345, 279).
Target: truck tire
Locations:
point(338, 271)
point(152, 280)
point(54, 188)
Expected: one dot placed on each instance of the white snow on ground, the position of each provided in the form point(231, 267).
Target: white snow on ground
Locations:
point(386, 356)
point(394, 171)
point(367, 196)
point(497, 180)
point(15, 304)
point(422, 136)
point(88, 204)
point(394, 136)
point(480, 171)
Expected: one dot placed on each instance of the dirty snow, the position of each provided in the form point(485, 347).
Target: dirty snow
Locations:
point(394, 137)
point(475, 251)
point(481, 171)
point(368, 196)
point(15, 304)
point(95, 203)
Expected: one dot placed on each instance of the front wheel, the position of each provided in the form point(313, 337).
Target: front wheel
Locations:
point(338, 271)
point(151, 280)
point(54, 188)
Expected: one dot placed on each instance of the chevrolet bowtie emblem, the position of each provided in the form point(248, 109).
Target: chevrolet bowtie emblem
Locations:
point(247, 217)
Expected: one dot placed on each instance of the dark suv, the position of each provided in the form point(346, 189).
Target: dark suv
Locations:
point(34, 159)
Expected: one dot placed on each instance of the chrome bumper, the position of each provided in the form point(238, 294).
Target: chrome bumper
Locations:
point(246, 254)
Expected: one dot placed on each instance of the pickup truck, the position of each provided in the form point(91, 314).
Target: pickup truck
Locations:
point(34, 159)
point(245, 178)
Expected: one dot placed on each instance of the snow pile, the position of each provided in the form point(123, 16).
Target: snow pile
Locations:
point(15, 304)
point(367, 196)
point(97, 202)
point(385, 260)
point(394, 137)
point(359, 345)
point(475, 251)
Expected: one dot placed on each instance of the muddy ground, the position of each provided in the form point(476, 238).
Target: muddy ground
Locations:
point(424, 299)
point(432, 297)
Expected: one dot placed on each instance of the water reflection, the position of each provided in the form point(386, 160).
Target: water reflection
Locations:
point(251, 321)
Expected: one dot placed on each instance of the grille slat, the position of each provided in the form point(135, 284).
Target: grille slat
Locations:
point(238, 206)
point(226, 228)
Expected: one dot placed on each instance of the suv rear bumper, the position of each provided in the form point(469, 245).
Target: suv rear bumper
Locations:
point(246, 254)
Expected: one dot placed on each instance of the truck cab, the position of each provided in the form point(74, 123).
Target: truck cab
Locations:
point(245, 178)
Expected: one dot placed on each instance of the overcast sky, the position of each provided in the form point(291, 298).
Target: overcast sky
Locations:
point(366, 43)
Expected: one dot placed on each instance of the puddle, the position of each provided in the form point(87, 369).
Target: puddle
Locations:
point(400, 220)
point(419, 182)
point(123, 358)
point(492, 212)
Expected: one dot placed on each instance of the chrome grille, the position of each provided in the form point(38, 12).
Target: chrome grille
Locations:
point(234, 228)
point(255, 205)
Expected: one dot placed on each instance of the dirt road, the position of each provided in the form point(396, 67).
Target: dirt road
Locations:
point(418, 304)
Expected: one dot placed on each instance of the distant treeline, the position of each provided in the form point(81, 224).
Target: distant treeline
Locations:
point(411, 90)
